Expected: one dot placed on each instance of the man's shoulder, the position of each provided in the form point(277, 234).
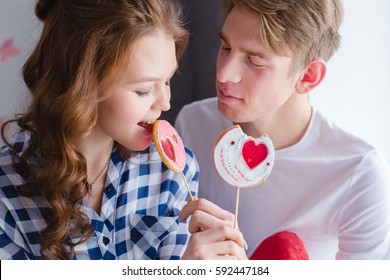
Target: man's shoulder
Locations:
point(202, 115)
point(347, 150)
point(199, 124)
point(341, 138)
point(204, 105)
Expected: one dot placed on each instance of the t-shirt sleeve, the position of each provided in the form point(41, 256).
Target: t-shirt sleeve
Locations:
point(364, 221)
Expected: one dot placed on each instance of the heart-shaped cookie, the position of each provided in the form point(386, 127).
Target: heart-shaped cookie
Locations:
point(243, 161)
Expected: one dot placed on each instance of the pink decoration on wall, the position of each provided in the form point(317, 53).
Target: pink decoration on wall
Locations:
point(1, 120)
point(8, 50)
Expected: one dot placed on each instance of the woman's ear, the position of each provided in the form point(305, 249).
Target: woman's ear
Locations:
point(311, 77)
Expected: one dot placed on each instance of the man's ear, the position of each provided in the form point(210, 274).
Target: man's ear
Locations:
point(311, 77)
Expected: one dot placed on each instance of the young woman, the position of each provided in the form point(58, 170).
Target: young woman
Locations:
point(82, 179)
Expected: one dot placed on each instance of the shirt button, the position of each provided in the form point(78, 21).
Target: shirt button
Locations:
point(110, 191)
point(106, 240)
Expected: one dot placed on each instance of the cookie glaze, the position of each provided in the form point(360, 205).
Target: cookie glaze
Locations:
point(243, 161)
point(169, 145)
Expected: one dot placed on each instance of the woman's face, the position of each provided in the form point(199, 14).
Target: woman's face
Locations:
point(139, 98)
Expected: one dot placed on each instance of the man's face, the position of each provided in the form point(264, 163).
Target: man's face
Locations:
point(252, 82)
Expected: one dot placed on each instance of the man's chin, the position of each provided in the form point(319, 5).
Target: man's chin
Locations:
point(230, 113)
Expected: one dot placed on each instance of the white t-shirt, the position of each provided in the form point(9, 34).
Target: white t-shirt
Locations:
point(331, 188)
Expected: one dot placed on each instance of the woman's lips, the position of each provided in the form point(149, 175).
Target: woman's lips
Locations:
point(147, 126)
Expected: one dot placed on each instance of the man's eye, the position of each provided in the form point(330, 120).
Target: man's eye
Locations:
point(255, 62)
point(224, 46)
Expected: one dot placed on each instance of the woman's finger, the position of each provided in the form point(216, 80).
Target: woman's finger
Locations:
point(206, 206)
point(201, 220)
point(218, 234)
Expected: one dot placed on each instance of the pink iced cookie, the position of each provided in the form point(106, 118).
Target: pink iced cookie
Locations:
point(169, 145)
point(243, 161)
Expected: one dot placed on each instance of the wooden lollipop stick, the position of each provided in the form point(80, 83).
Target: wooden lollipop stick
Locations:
point(170, 147)
point(188, 187)
point(236, 212)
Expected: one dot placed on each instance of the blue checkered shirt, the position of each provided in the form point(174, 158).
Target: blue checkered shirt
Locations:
point(139, 215)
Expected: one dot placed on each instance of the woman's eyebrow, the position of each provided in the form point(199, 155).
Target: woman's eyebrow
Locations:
point(153, 79)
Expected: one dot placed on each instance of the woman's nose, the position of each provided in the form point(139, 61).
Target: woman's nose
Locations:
point(163, 100)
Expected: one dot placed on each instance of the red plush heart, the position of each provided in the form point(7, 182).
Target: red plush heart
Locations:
point(253, 153)
point(281, 246)
point(168, 149)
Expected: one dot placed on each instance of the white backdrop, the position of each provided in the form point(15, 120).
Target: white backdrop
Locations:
point(19, 30)
point(355, 93)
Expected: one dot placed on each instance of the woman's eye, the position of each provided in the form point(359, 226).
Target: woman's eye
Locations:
point(168, 83)
point(143, 93)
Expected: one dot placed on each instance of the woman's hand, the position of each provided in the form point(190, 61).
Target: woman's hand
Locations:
point(213, 235)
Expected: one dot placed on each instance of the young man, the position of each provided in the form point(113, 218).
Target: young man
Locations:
point(327, 186)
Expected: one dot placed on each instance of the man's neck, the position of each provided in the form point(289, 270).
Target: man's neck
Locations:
point(285, 126)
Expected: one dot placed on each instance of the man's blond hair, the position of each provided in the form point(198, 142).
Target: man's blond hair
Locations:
point(303, 29)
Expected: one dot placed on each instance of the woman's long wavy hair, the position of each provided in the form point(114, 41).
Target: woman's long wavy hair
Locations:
point(84, 45)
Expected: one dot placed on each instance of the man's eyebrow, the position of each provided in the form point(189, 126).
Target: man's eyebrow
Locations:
point(260, 54)
point(221, 36)
point(256, 53)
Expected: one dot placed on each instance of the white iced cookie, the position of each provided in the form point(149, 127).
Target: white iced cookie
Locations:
point(243, 161)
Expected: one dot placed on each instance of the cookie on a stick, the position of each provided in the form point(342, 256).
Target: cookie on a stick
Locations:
point(243, 161)
point(170, 148)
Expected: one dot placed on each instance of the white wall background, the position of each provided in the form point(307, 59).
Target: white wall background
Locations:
point(19, 24)
point(356, 90)
point(355, 93)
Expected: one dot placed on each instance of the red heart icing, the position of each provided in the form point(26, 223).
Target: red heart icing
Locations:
point(168, 148)
point(253, 153)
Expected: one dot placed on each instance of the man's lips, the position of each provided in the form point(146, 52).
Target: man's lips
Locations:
point(228, 96)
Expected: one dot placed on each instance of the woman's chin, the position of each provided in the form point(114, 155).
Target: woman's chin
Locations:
point(141, 145)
